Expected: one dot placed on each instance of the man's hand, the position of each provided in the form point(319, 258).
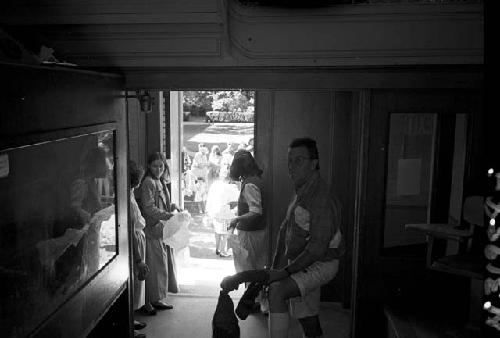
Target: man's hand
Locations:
point(230, 283)
point(233, 223)
point(275, 275)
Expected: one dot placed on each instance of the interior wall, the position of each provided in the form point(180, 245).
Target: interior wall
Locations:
point(137, 131)
point(401, 278)
point(278, 120)
point(323, 116)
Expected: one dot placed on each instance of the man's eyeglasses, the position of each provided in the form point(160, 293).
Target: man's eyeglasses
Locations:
point(297, 161)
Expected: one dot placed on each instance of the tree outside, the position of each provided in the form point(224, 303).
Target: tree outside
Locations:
point(219, 106)
point(217, 117)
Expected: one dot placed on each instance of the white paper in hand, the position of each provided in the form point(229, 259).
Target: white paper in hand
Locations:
point(175, 230)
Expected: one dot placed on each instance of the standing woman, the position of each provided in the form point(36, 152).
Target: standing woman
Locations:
point(140, 268)
point(155, 206)
point(250, 222)
point(214, 160)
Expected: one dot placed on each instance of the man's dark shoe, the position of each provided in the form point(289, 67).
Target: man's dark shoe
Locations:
point(139, 325)
point(162, 306)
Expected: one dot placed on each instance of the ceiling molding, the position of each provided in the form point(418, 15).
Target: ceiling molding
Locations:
point(214, 33)
point(358, 12)
point(358, 35)
point(39, 12)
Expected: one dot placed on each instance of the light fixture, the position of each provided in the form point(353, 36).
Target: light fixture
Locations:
point(145, 100)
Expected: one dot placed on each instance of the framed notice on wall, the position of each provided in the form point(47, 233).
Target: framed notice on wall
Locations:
point(410, 159)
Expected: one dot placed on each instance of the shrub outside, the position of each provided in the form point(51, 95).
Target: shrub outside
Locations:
point(227, 116)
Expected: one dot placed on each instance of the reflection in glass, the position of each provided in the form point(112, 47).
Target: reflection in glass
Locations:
point(57, 224)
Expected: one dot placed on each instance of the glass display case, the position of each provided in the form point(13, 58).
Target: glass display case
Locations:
point(58, 224)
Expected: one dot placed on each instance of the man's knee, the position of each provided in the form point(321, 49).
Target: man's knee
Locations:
point(280, 291)
point(311, 326)
point(276, 292)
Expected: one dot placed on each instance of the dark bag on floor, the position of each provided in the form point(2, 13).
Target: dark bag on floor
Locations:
point(224, 322)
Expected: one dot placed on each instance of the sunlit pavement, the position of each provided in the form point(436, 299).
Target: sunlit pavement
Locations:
point(199, 269)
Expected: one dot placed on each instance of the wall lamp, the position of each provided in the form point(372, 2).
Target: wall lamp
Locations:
point(145, 100)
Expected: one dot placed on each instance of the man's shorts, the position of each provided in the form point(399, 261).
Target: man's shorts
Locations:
point(309, 282)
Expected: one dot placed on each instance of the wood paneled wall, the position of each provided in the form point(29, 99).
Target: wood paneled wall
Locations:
point(324, 116)
point(382, 279)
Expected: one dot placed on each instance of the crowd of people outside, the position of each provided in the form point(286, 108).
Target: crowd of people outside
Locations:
point(210, 191)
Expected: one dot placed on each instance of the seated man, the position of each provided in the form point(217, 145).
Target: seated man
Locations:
point(309, 244)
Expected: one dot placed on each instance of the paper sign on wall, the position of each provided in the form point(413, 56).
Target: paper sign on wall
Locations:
point(4, 165)
point(408, 182)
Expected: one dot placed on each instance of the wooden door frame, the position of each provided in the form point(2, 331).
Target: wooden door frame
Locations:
point(369, 263)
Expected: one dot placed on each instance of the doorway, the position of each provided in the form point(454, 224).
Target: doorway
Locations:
point(280, 116)
point(212, 126)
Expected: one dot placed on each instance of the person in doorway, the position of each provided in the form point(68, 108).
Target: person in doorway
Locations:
point(200, 194)
point(227, 158)
point(140, 268)
point(189, 185)
point(199, 166)
point(308, 245)
point(214, 160)
point(220, 194)
point(242, 146)
point(173, 285)
point(155, 207)
point(185, 160)
point(250, 223)
point(250, 146)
